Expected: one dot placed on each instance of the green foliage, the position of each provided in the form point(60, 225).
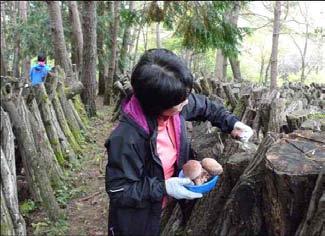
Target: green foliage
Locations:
point(67, 192)
point(49, 228)
point(36, 31)
point(27, 207)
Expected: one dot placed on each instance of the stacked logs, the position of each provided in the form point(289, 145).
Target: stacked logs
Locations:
point(40, 125)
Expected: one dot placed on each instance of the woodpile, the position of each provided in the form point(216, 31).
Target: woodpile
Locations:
point(40, 125)
point(271, 186)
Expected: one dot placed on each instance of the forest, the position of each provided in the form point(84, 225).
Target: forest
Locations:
point(264, 61)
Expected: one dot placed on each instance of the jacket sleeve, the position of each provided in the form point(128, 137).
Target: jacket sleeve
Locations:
point(126, 182)
point(200, 108)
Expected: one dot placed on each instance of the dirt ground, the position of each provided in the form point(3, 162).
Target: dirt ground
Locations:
point(87, 214)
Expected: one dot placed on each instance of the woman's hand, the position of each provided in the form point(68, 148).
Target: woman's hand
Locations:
point(175, 188)
point(242, 131)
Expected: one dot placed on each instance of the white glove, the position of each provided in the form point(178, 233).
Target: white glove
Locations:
point(246, 131)
point(175, 188)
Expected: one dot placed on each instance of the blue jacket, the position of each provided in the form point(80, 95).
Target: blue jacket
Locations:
point(38, 73)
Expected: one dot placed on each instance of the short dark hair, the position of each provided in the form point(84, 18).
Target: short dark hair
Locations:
point(41, 56)
point(160, 80)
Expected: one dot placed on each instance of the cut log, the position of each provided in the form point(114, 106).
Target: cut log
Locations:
point(7, 227)
point(296, 118)
point(44, 105)
point(38, 179)
point(231, 97)
point(44, 147)
point(9, 196)
point(51, 85)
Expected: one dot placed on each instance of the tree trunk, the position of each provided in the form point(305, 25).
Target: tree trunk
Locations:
point(51, 87)
point(26, 61)
point(66, 106)
point(303, 61)
point(88, 78)
point(158, 35)
point(4, 65)
point(133, 63)
point(60, 49)
point(275, 45)
point(219, 65)
point(102, 58)
point(44, 104)
point(7, 227)
point(108, 97)
point(313, 223)
point(124, 58)
point(44, 147)
point(8, 176)
point(234, 62)
point(16, 61)
point(77, 32)
point(37, 176)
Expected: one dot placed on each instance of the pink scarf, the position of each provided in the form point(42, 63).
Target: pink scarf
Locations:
point(41, 63)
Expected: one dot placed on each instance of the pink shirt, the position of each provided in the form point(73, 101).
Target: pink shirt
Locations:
point(166, 147)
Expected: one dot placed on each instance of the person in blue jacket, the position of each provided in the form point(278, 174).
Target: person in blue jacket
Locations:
point(149, 147)
point(39, 71)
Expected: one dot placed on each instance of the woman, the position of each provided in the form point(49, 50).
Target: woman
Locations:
point(149, 146)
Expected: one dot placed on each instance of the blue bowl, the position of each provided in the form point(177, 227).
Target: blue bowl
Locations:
point(202, 188)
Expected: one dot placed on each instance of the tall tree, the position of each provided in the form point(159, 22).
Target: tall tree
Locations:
point(23, 8)
point(234, 62)
point(4, 65)
point(219, 69)
point(88, 77)
point(17, 20)
point(158, 44)
point(275, 45)
point(60, 49)
point(110, 79)
point(126, 42)
point(77, 41)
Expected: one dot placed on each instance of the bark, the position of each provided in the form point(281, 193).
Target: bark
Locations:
point(76, 32)
point(313, 223)
point(8, 175)
point(16, 61)
point(66, 106)
point(44, 105)
point(219, 66)
point(76, 115)
point(231, 97)
point(108, 96)
point(158, 35)
point(88, 77)
point(7, 227)
point(100, 48)
point(234, 62)
point(44, 147)
point(51, 87)
point(60, 50)
point(38, 180)
point(4, 65)
point(26, 61)
point(272, 111)
point(275, 45)
point(242, 208)
point(124, 58)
